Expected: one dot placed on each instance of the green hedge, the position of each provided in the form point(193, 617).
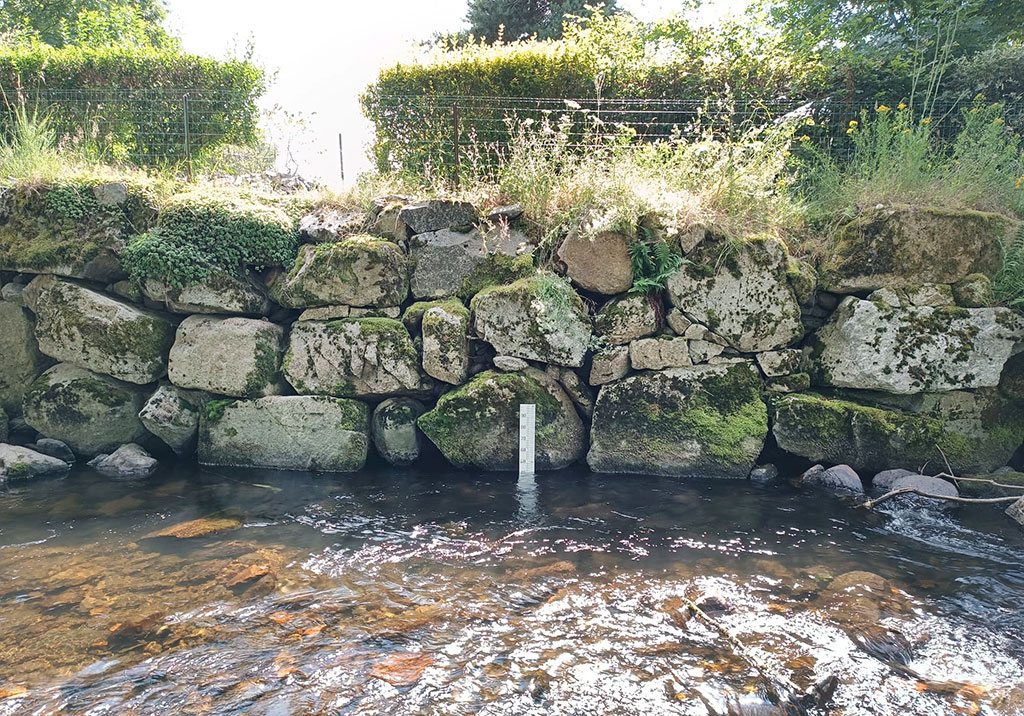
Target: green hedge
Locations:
point(125, 104)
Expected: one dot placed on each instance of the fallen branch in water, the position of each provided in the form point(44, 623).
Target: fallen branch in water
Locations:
point(914, 491)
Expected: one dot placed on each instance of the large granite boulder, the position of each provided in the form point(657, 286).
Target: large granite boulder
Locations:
point(902, 246)
point(354, 357)
point(436, 215)
point(91, 413)
point(217, 293)
point(538, 318)
point(477, 424)
point(21, 463)
point(394, 430)
point(361, 271)
point(699, 421)
point(872, 345)
point(445, 330)
point(305, 432)
point(20, 359)
point(599, 262)
point(459, 263)
point(94, 331)
point(741, 290)
point(172, 414)
point(240, 357)
point(975, 431)
point(628, 318)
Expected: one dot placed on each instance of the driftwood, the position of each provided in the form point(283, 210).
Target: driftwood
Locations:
point(913, 491)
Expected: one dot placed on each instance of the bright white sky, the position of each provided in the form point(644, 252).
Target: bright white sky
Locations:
point(325, 53)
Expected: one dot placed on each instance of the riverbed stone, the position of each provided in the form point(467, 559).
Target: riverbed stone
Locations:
point(359, 271)
point(902, 246)
point(21, 362)
point(172, 414)
point(599, 262)
point(925, 483)
point(609, 364)
point(217, 293)
point(883, 481)
point(741, 291)
point(445, 330)
point(55, 448)
point(89, 412)
point(395, 433)
point(298, 432)
point(354, 357)
point(240, 357)
point(129, 460)
point(839, 478)
point(873, 346)
point(627, 318)
point(976, 432)
point(1016, 511)
point(699, 421)
point(21, 463)
point(436, 215)
point(94, 331)
point(477, 424)
point(538, 318)
point(658, 353)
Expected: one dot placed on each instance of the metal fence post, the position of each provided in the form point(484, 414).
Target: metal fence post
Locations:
point(188, 138)
point(455, 133)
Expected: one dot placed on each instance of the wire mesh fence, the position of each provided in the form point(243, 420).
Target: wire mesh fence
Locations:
point(143, 127)
point(444, 132)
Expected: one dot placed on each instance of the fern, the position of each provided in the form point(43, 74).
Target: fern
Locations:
point(654, 263)
point(1009, 284)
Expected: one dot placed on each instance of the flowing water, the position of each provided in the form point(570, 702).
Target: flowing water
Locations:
point(438, 592)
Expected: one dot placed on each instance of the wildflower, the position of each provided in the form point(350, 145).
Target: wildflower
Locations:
point(851, 130)
point(804, 138)
point(882, 108)
point(854, 122)
point(901, 105)
point(1000, 120)
point(926, 120)
point(906, 131)
point(1020, 182)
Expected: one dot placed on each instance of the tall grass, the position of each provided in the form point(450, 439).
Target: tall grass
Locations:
point(28, 149)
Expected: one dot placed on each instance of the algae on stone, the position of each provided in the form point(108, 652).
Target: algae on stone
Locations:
point(445, 330)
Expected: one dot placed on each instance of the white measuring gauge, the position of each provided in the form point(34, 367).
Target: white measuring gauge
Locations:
point(527, 439)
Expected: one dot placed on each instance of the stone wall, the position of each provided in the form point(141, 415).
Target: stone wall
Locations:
point(427, 321)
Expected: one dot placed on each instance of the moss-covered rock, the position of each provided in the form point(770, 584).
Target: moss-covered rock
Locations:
point(91, 413)
point(477, 424)
point(975, 432)
point(312, 433)
point(94, 331)
point(628, 318)
point(460, 263)
point(741, 290)
point(240, 357)
point(394, 430)
point(445, 331)
point(20, 463)
point(900, 246)
point(354, 357)
point(217, 293)
point(73, 228)
point(360, 271)
point(973, 291)
point(872, 345)
point(21, 361)
point(539, 318)
point(699, 421)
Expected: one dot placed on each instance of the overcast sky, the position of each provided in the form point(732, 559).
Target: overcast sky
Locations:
point(325, 53)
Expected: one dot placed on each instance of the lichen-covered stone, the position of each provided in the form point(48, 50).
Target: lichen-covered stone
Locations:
point(460, 263)
point(437, 215)
point(929, 294)
point(477, 424)
point(700, 421)
point(598, 262)
point(299, 432)
point(360, 271)
point(973, 291)
point(873, 346)
point(354, 357)
point(609, 364)
point(658, 353)
point(579, 392)
point(539, 318)
point(20, 359)
point(240, 357)
point(217, 293)
point(172, 414)
point(776, 364)
point(741, 291)
point(702, 351)
point(327, 225)
point(100, 333)
point(901, 246)
point(628, 318)
point(445, 331)
point(91, 413)
point(20, 463)
point(394, 430)
point(976, 432)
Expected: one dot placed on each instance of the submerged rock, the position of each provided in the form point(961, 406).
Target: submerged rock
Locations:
point(192, 529)
point(871, 345)
point(313, 433)
point(99, 333)
point(89, 412)
point(539, 318)
point(20, 463)
point(354, 357)
point(700, 421)
point(741, 291)
point(240, 357)
point(395, 434)
point(477, 424)
point(21, 361)
point(129, 460)
point(932, 485)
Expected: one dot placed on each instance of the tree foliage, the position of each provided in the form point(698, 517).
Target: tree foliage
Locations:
point(64, 23)
point(520, 19)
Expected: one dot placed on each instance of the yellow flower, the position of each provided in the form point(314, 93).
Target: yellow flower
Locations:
point(851, 130)
point(854, 122)
point(906, 131)
point(1000, 120)
point(901, 105)
point(1020, 182)
point(804, 138)
point(926, 120)
point(882, 108)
